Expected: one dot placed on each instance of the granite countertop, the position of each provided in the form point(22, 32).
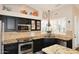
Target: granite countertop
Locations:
point(58, 49)
point(61, 37)
point(9, 41)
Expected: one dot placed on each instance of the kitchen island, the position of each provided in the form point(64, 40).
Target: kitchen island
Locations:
point(58, 49)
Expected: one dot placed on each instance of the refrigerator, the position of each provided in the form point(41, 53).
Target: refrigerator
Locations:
point(1, 36)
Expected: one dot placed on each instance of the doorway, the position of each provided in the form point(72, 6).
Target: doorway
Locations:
point(76, 32)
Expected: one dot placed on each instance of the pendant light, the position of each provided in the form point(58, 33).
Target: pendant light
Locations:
point(48, 17)
point(49, 25)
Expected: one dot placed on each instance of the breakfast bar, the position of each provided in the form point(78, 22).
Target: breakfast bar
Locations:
point(58, 49)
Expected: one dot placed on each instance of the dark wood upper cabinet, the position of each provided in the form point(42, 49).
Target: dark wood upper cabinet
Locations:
point(35, 25)
point(23, 24)
point(9, 23)
point(13, 23)
point(38, 25)
point(24, 21)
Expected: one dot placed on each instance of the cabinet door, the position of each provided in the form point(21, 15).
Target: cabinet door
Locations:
point(48, 42)
point(37, 45)
point(24, 21)
point(10, 23)
point(33, 25)
point(11, 48)
point(38, 25)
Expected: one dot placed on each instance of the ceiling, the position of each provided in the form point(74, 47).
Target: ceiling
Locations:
point(46, 6)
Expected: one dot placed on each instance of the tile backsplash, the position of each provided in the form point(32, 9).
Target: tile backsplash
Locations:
point(17, 35)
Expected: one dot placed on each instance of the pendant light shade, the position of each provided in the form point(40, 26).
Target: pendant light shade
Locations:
point(49, 29)
point(48, 17)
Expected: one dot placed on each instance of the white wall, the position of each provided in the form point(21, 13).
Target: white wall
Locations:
point(75, 25)
point(44, 25)
point(63, 13)
point(76, 32)
point(58, 25)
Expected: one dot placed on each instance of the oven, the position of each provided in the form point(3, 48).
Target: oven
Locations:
point(26, 47)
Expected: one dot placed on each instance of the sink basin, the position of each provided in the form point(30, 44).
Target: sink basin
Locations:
point(49, 35)
point(24, 39)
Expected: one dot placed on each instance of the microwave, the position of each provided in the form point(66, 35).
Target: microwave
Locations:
point(23, 27)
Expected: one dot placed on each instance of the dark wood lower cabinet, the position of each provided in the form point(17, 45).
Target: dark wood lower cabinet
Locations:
point(42, 43)
point(11, 48)
point(45, 42)
point(65, 43)
point(48, 42)
point(69, 44)
point(38, 44)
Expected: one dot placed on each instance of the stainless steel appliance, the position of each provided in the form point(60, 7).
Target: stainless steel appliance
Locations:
point(25, 47)
point(23, 27)
point(1, 36)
